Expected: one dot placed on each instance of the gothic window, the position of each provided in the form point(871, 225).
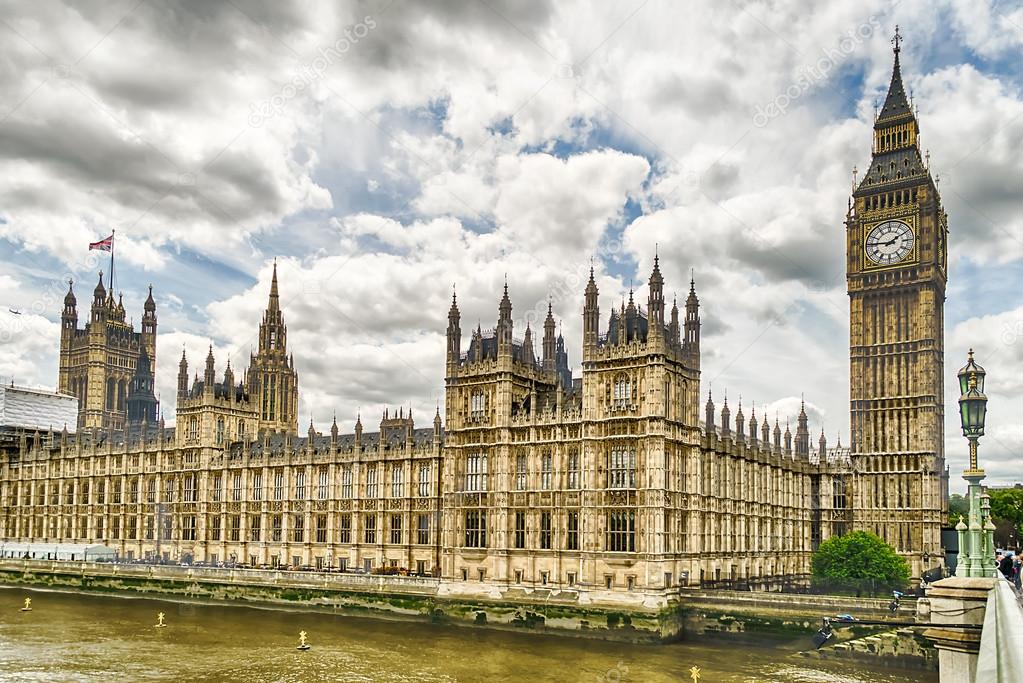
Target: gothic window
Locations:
point(278, 484)
point(622, 391)
point(545, 531)
point(276, 528)
point(371, 483)
point(572, 541)
point(621, 468)
point(345, 528)
point(323, 487)
point(520, 529)
point(298, 528)
point(546, 471)
point(478, 404)
point(838, 487)
point(236, 527)
point(397, 482)
point(573, 469)
point(300, 484)
point(424, 480)
point(346, 482)
point(218, 482)
point(396, 529)
point(520, 472)
point(273, 397)
point(254, 530)
point(476, 529)
point(371, 528)
point(476, 472)
point(423, 531)
point(190, 491)
point(151, 491)
point(321, 528)
point(257, 486)
point(236, 487)
point(120, 395)
point(621, 531)
point(220, 431)
point(193, 428)
point(110, 394)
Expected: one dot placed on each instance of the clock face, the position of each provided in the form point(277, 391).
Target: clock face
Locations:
point(889, 243)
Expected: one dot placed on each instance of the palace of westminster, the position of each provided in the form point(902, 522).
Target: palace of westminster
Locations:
point(621, 479)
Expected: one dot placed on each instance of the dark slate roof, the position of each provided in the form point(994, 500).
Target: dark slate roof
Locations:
point(896, 104)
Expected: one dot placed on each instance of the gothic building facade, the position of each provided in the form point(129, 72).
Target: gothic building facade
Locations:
point(620, 479)
point(107, 365)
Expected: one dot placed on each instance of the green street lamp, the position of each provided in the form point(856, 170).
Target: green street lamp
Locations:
point(976, 547)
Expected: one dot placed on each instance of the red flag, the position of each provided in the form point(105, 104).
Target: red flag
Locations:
point(103, 245)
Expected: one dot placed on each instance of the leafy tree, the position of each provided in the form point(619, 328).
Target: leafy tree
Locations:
point(957, 505)
point(859, 556)
point(1007, 513)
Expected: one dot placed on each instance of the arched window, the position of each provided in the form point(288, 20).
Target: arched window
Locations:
point(111, 389)
point(120, 395)
point(622, 391)
point(220, 431)
point(478, 404)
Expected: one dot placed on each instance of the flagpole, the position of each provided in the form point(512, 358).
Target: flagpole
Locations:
point(112, 233)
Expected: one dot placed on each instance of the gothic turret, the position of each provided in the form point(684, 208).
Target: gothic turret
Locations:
point(272, 378)
point(709, 413)
point(591, 314)
point(149, 325)
point(753, 426)
point(740, 435)
point(802, 433)
point(673, 328)
point(726, 419)
point(691, 343)
point(182, 376)
point(209, 376)
point(655, 302)
point(788, 438)
point(142, 403)
point(549, 362)
point(528, 357)
point(504, 323)
point(454, 333)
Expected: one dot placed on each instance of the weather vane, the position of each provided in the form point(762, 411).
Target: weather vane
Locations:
point(897, 40)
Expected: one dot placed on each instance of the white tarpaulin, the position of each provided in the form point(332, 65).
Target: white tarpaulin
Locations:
point(37, 409)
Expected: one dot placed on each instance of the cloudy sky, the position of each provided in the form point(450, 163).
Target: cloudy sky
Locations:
point(385, 150)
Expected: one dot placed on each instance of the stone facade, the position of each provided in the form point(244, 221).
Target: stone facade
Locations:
point(897, 253)
point(106, 363)
point(617, 480)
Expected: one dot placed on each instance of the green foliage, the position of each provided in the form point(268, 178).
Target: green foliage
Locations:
point(859, 556)
point(1007, 505)
point(957, 505)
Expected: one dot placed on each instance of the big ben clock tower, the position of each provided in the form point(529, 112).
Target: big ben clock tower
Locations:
point(896, 269)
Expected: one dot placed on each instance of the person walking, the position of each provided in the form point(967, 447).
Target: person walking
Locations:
point(1017, 564)
point(1005, 566)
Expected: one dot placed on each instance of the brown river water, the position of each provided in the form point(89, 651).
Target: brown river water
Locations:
point(80, 637)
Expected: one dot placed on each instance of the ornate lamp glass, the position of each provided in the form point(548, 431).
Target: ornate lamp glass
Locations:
point(972, 401)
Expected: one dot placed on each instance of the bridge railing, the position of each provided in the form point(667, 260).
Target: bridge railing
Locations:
point(1001, 642)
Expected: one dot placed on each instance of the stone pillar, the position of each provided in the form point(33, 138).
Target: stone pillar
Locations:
point(956, 600)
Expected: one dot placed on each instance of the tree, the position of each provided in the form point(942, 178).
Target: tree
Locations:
point(957, 505)
point(1007, 512)
point(858, 557)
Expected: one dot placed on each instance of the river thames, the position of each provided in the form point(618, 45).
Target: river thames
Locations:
point(80, 637)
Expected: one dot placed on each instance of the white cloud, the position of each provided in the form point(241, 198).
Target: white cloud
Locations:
point(466, 143)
